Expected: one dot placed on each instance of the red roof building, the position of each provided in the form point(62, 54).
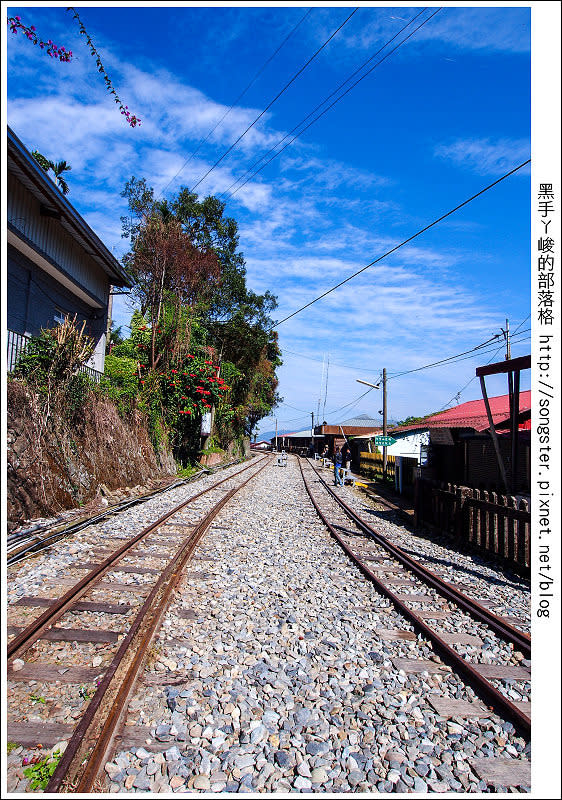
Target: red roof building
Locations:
point(461, 445)
point(473, 415)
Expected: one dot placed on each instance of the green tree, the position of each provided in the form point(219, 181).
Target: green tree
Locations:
point(190, 284)
point(56, 167)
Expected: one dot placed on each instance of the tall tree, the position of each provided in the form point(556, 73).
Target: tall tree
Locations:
point(188, 270)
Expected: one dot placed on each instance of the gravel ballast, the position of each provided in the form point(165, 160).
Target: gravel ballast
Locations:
point(270, 673)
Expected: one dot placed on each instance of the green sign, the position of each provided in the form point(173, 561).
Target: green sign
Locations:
point(384, 441)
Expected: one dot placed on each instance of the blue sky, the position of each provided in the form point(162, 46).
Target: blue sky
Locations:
point(442, 117)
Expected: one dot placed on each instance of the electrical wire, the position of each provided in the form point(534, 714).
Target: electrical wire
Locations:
point(450, 358)
point(487, 350)
point(294, 408)
point(235, 103)
point(319, 106)
point(458, 394)
point(334, 363)
point(352, 403)
point(398, 246)
point(277, 96)
point(332, 104)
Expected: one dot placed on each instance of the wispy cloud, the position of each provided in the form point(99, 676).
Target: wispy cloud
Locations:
point(486, 156)
point(492, 29)
point(307, 222)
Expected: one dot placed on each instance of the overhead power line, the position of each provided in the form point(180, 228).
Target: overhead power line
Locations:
point(449, 359)
point(406, 241)
point(444, 360)
point(277, 96)
point(458, 394)
point(240, 96)
point(333, 363)
point(473, 355)
point(319, 106)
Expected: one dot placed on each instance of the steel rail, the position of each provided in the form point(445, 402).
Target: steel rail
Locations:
point(502, 628)
point(378, 497)
point(139, 635)
point(29, 635)
point(56, 532)
point(492, 696)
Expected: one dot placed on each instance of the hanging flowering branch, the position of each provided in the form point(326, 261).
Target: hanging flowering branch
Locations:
point(61, 53)
point(131, 118)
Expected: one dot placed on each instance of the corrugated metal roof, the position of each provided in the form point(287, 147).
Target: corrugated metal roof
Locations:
point(362, 421)
point(472, 414)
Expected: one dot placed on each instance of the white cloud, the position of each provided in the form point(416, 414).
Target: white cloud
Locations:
point(486, 156)
point(494, 29)
point(315, 223)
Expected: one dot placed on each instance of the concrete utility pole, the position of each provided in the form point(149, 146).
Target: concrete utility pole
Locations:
point(507, 342)
point(275, 433)
point(384, 428)
point(384, 413)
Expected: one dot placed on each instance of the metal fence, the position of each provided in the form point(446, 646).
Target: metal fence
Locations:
point(17, 342)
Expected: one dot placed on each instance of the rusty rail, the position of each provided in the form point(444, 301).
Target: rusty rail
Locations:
point(135, 645)
point(29, 635)
point(483, 687)
point(502, 628)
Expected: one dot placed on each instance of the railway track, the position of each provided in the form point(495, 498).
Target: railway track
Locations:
point(29, 542)
point(456, 624)
point(145, 570)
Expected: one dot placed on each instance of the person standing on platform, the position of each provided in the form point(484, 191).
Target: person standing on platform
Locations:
point(337, 467)
point(346, 456)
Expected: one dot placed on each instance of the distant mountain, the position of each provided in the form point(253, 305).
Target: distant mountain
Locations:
point(268, 435)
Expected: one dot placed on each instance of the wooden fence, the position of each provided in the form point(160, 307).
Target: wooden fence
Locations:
point(485, 520)
point(370, 465)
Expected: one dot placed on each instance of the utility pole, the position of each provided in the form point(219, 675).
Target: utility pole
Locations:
point(507, 342)
point(384, 427)
point(384, 413)
point(275, 434)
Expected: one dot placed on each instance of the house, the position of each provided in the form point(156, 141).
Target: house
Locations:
point(57, 265)
point(261, 445)
point(335, 435)
point(461, 448)
point(406, 454)
point(363, 443)
point(298, 442)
